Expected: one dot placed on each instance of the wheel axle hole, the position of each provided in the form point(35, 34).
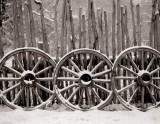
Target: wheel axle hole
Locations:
point(146, 77)
point(86, 77)
point(29, 77)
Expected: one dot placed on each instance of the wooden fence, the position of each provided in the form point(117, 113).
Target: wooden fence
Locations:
point(93, 28)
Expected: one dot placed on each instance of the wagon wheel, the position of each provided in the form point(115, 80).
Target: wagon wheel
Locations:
point(136, 78)
point(26, 76)
point(83, 79)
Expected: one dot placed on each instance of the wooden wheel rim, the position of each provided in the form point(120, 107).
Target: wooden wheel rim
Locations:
point(138, 71)
point(29, 85)
point(80, 84)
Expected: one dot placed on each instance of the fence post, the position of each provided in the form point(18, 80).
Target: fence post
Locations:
point(32, 28)
point(106, 33)
point(27, 25)
point(119, 42)
point(84, 31)
point(113, 29)
point(100, 30)
point(1, 43)
point(62, 28)
point(122, 27)
point(128, 44)
point(133, 23)
point(80, 27)
point(15, 25)
point(139, 40)
point(21, 25)
point(56, 30)
point(89, 24)
point(44, 34)
point(95, 34)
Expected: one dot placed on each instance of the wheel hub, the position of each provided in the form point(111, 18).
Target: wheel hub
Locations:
point(28, 78)
point(86, 78)
point(144, 78)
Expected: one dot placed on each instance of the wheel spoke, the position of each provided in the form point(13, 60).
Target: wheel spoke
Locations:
point(133, 95)
point(11, 88)
point(18, 95)
point(158, 88)
point(127, 69)
point(97, 66)
point(9, 79)
point(156, 78)
point(101, 73)
point(125, 78)
point(44, 70)
point(151, 95)
point(72, 95)
point(133, 63)
point(12, 70)
point(101, 88)
point(127, 87)
point(45, 79)
point(74, 65)
point(80, 99)
point(45, 89)
point(154, 71)
point(70, 71)
point(37, 64)
point(67, 79)
point(97, 97)
point(150, 64)
point(27, 99)
point(68, 87)
point(90, 63)
point(142, 97)
point(101, 80)
point(20, 65)
point(88, 96)
point(37, 95)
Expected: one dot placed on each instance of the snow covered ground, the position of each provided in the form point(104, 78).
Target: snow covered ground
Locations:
point(64, 116)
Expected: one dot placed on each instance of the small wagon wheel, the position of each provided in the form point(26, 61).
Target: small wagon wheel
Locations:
point(83, 80)
point(136, 78)
point(26, 75)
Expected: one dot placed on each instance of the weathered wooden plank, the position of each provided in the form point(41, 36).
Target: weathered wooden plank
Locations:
point(139, 40)
point(32, 28)
point(133, 23)
point(113, 29)
point(119, 42)
point(106, 34)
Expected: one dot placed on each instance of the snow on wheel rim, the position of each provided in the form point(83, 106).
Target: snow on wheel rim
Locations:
point(76, 76)
point(135, 78)
point(26, 73)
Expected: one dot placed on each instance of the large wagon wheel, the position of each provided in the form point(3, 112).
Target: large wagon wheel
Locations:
point(26, 76)
point(83, 80)
point(136, 78)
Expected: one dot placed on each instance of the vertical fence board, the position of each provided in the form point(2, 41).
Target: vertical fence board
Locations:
point(113, 30)
point(89, 24)
point(139, 42)
point(128, 43)
point(118, 27)
point(95, 33)
point(32, 28)
point(21, 25)
point(106, 33)
point(84, 31)
point(27, 25)
point(80, 27)
point(133, 23)
point(15, 26)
